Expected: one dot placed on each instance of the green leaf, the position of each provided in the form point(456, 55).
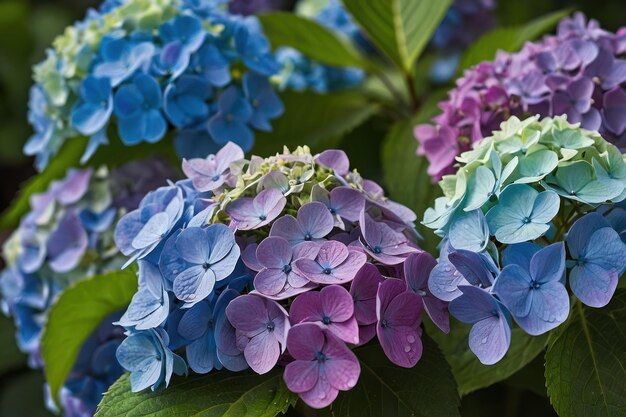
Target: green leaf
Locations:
point(218, 394)
point(586, 362)
point(509, 39)
point(78, 311)
point(316, 120)
point(114, 154)
point(312, 39)
point(405, 176)
point(400, 28)
point(384, 389)
point(472, 375)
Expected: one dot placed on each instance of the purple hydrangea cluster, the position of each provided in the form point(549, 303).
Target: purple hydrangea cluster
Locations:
point(138, 69)
point(579, 72)
point(287, 260)
point(534, 210)
point(67, 237)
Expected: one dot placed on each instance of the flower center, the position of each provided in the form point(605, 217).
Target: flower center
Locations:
point(320, 356)
point(206, 266)
point(270, 326)
point(327, 271)
point(308, 236)
point(534, 285)
point(378, 249)
point(326, 320)
point(287, 269)
point(215, 177)
point(526, 220)
point(333, 210)
point(384, 323)
point(262, 217)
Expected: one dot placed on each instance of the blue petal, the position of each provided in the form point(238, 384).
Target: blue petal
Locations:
point(520, 254)
point(469, 231)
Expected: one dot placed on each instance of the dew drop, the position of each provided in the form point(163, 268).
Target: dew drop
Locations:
point(407, 348)
point(484, 340)
point(410, 338)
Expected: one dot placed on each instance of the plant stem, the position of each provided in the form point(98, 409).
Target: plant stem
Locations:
point(410, 86)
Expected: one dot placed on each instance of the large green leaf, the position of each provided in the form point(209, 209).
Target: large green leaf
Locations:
point(586, 362)
point(310, 38)
point(78, 311)
point(384, 389)
point(400, 28)
point(472, 375)
point(316, 120)
point(114, 154)
point(404, 172)
point(508, 39)
point(218, 394)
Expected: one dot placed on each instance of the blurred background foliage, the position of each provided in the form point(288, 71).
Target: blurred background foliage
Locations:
point(27, 28)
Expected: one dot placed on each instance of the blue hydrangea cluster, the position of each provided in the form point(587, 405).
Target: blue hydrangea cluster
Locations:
point(299, 73)
point(252, 263)
point(463, 23)
point(533, 210)
point(138, 69)
point(67, 237)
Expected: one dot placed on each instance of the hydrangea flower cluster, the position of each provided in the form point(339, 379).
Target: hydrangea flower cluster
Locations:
point(142, 68)
point(530, 212)
point(464, 22)
point(291, 259)
point(579, 72)
point(66, 237)
point(299, 73)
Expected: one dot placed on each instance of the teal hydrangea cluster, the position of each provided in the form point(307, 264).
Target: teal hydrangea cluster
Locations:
point(533, 210)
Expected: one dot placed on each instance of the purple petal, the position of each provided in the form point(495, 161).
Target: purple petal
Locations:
point(287, 227)
point(306, 307)
point(67, 244)
point(315, 220)
point(274, 252)
point(363, 290)
point(334, 159)
point(347, 203)
point(304, 341)
point(348, 330)
point(270, 281)
point(401, 344)
point(262, 352)
point(417, 269)
point(248, 314)
point(322, 394)
point(350, 267)
point(301, 376)
point(614, 108)
point(336, 303)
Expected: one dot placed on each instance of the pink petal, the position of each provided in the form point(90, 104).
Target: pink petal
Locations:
point(270, 281)
point(301, 376)
point(336, 303)
point(306, 307)
point(304, 341)
point(348, 330)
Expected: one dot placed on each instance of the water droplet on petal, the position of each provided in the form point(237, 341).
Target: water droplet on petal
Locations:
point(484, 340)
point(407, 348)
point(410, 338)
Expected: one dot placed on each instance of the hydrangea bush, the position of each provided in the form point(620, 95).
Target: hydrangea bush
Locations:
point(290, 260)
point(138, 69)
point(578, 72)
point(67, 237)
point(533, 214)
